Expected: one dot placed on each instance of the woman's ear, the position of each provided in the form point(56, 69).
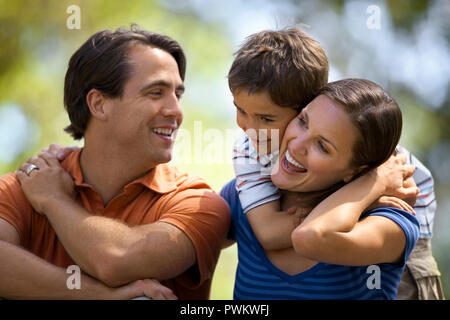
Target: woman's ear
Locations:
point(96, 103)
point(354, 173)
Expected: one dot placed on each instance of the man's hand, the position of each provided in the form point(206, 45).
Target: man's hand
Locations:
point(49, 181)
point(145, 288)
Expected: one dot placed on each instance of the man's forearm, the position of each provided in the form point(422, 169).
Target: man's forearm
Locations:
point(90, 240)
point(23, 275)
point(113, 252)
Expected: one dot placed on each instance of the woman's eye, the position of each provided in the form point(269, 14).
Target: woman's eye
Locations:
point(322, 147)
point(302, 121)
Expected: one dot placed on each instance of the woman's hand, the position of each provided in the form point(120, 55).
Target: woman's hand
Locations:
point(48, 181)
point(393, 178)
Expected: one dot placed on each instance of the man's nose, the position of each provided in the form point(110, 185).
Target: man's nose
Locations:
point(172, 108)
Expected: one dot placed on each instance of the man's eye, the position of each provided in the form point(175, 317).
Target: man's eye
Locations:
point(155, 92)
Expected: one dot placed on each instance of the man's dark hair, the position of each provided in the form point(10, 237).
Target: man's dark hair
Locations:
point(102, 63)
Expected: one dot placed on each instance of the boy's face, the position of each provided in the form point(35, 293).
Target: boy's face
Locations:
point(262, 120)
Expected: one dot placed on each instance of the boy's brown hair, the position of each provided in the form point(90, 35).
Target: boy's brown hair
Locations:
point(290, 65)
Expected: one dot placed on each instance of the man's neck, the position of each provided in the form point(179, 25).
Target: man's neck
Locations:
point(109, 172)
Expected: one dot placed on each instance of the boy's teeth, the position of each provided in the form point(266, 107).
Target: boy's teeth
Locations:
point(293, 162)
point(163, 131)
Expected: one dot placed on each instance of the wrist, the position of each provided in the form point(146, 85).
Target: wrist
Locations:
point(55, 203)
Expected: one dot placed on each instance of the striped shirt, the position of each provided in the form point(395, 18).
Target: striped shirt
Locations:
point(258, 279)
point(252, 173)
point(425, 206)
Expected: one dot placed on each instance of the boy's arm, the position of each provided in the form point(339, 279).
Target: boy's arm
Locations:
point(272, 227)
point(260, 198)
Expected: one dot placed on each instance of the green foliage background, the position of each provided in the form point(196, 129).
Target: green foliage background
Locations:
point(36, 46)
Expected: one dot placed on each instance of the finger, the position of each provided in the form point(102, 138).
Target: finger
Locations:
point(408, 192)
point(51, 160)
point(39, 162)
point(21, 176)
point(291, 210)
point(408, 170)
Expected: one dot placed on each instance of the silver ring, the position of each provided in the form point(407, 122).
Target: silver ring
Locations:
point(30, 168)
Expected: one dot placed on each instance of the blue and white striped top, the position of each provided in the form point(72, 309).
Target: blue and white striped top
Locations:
point(258, 279)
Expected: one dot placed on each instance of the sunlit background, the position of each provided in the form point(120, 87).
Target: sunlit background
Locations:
point(402, 45)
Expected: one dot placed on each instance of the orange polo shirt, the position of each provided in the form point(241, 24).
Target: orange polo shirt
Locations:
point(164, 194)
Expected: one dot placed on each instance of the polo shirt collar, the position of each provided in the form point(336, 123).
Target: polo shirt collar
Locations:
point(161, 179)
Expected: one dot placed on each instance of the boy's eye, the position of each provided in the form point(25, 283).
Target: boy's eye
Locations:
point(266, 119)
point(240, 111)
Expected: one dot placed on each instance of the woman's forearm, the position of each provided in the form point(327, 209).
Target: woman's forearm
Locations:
point(335, 215)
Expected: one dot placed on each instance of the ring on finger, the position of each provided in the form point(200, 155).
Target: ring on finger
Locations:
point(30, 168)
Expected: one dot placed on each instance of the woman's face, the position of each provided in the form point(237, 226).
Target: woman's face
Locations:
point(316, 149)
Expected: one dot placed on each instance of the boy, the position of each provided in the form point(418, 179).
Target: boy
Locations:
point(274, 75)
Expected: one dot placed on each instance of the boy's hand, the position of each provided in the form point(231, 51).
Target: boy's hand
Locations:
point(386, 201)
point(58, 151)
point(300, 214)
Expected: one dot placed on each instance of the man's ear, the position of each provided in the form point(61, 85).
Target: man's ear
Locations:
point(353, 173)
point(96, 103)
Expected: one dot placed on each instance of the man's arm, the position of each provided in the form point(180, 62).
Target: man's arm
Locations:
point(23, 275)
point(115, 253)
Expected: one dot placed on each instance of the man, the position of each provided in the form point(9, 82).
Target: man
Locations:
point(114, 208)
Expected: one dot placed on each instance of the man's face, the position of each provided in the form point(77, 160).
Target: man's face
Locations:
point(144, 119)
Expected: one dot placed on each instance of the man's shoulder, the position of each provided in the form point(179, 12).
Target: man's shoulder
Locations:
point(10, 186)
point(191, 187)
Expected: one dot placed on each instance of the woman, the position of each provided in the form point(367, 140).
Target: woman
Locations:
point(334, 158)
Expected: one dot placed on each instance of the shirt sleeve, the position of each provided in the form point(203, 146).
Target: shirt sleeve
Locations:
point(406, 221)
point(252, 172)
point(425, 206)
point(14, 206)
point(204, 217)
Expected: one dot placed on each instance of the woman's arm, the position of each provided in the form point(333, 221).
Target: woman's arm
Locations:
point(332, 232)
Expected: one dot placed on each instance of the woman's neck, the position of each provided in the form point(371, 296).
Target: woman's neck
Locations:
point(307, 200)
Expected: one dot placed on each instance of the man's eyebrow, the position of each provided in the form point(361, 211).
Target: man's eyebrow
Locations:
point(161, 83)
point(320, 136)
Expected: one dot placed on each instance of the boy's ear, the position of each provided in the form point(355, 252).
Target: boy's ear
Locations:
point(354, 173)
point(96, 103)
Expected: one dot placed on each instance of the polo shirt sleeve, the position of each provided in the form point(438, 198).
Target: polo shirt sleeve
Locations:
point(14, 206)
point(204, 217)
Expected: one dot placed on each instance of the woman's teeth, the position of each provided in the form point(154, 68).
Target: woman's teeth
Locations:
point(293, 162)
